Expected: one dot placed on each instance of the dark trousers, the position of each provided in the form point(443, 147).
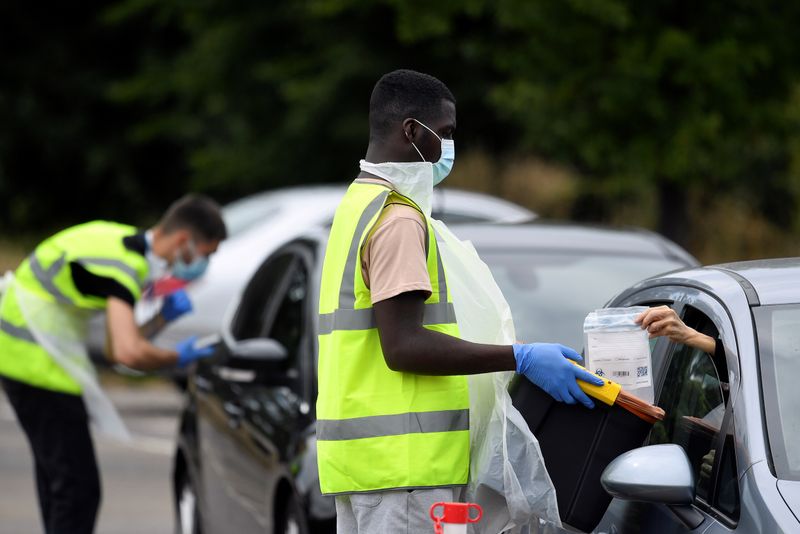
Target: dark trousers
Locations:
point(67, 478)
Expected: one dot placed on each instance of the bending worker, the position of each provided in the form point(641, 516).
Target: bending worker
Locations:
point(393, 404)
point(44, 365)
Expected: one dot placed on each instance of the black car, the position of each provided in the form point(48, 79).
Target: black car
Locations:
point(246, 456)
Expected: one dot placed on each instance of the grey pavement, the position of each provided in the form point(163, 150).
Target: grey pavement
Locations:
point(136, 477)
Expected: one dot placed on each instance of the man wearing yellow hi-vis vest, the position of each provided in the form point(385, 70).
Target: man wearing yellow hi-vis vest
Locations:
point(44, 367)
point(393, 404)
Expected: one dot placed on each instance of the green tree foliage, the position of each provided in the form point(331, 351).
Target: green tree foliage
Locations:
point(677, 94)
point(267, 96)
point(130, 103)
point(64, 149)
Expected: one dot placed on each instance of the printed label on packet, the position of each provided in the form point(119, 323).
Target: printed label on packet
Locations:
point(623, 357)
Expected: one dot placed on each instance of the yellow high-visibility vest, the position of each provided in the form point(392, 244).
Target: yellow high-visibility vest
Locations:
point(98, 247)
point(379, 429)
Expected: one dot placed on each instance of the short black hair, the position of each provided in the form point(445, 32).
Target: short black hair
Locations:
point(403, 94)
point(197, 213)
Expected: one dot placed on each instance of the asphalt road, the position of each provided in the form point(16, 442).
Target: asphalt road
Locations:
point(137, 495)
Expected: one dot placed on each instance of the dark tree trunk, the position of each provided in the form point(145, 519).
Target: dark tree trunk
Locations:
point(673, 212)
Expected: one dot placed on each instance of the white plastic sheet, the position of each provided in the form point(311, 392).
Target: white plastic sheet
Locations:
point(507, 473)
point(62, 333)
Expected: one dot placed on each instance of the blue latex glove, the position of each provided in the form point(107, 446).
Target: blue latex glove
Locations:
point(175, 305)
point(546, 365)
point(187, 352)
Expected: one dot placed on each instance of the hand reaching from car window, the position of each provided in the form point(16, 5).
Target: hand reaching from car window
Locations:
point(663, 321)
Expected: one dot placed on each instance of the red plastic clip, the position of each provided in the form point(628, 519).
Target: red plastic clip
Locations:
point(454, 513)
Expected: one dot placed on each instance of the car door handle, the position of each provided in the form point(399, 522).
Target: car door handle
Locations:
point(203, 384)
point(234, 409)
point(230, 374)
point(235, 413)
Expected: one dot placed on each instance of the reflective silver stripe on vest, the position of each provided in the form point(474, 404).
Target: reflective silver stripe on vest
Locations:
point(107, 262)
point(46, 277)
point(364, 318)
point(19, 332)
point(347, 291)
point(392, 425)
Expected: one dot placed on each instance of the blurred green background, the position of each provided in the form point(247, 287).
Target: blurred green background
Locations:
point(679, 116)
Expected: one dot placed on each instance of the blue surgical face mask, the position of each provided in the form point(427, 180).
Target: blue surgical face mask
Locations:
point(445, 164)
point(190, 271)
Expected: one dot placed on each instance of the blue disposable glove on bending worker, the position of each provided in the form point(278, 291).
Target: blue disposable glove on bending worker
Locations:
point(188, 352)
point(175, 305)
point(546, 365)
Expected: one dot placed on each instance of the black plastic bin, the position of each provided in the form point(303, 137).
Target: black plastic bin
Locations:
point(577, 444)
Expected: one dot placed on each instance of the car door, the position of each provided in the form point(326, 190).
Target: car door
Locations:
point(695, 390)
point(246, 419)
point(276, 406)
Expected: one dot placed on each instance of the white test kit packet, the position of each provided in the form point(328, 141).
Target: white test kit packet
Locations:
point(618, 349)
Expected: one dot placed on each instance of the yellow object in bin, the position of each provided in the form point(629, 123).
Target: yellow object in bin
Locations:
point(606, 393)
point(612, 393)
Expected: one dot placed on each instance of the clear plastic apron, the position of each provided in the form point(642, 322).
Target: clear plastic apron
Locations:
point(61, 331)
point(508, 477)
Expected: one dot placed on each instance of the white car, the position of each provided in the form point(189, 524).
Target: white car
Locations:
point(259, 224)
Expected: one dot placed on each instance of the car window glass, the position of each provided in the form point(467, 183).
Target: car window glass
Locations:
point(458, 218)
point(551, 293)
point(785, 336)
point(692, 397)
point(727, 499)
point(779, 347)
point(288, 324)
point(258, 297)
point(246, 213)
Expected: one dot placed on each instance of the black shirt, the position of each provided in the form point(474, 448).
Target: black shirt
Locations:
point(93, 285)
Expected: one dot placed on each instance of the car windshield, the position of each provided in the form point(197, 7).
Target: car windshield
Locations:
point(550, 294)
point(779, 343)
point(243, 214)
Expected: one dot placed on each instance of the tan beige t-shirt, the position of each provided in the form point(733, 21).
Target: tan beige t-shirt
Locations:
point(394, 258)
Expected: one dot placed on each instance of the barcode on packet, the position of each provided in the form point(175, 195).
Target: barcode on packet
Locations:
point(621, 373)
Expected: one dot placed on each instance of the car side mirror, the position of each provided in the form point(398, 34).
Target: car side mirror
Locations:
point(259, 349)
point(258, 354)
point(657, 473)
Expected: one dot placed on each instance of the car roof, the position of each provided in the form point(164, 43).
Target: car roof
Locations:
point(449, 200)
point(775, 281)
point(764, 282)
point(564, 237)
point(455, 201)
point(326, 193)
point(572, 237)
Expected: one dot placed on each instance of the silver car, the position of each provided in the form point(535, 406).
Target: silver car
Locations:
point(246, 449)
point(735, 414)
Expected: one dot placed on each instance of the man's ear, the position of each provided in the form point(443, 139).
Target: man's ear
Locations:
point(410, 130)
point(179, 238)
point(184, 236)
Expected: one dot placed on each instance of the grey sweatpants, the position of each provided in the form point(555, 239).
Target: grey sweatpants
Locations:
point(391, 512)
